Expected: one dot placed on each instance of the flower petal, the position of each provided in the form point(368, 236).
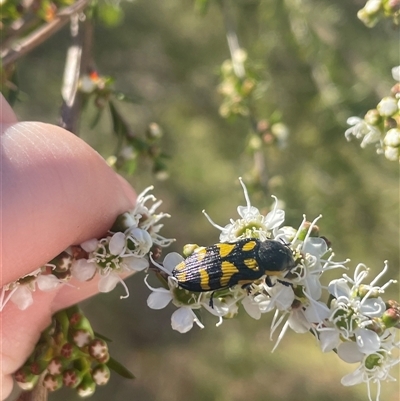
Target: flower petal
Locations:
point(182, 320)
point(298, 322)
point(353, 378)
point(368, 341)
point(349, 352)
point(22, 297)
point(90, 245)
point(373, 307)
point(329, 339)
point(83, 270)
point(134, 263)
point(108, 282)
point(251, 308)
point(339, 288)
point(159, 299)
point(47, 282)
point(172, 260)
point(117, 243)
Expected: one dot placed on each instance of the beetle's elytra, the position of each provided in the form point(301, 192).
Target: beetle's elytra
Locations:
point(224, 265)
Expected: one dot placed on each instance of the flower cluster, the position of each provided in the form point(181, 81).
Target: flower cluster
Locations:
point(124, 250)
point(356, 323)
point(238, 83)
point(68, 354)
point(381, 125)
point(361, 327)
point(375, 10)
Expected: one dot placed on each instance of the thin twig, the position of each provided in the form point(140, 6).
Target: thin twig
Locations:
point(10, 55)
point(79, 60)
point(233, 41)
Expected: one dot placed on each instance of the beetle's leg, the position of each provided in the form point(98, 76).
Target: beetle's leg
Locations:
point(285, 283)
point(269, 282)
point(248, 287)
point(211, 303)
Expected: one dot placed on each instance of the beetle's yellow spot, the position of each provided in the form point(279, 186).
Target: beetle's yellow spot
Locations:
point(181, 276)
point(201, 253)
point(225, 249)
point(204, 279)
point(181, 266)
point(228, 270)
point(252, 264)
point(248, 246)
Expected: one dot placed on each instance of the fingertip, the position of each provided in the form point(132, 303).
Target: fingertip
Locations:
point(7, 115)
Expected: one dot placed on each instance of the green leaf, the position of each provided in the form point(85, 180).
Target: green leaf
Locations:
point(120, 369)
point(102, 337)
point(120, 126)
point(97, 117)
point(110, 14)
point(202, 6)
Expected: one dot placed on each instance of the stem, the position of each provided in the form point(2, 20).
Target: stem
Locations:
point(78, 62)
point(233, 40)
point(12, 54)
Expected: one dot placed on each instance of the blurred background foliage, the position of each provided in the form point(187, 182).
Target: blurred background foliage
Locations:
point(316, 65)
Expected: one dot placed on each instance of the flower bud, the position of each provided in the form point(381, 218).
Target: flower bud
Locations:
point(387, 107)
point(81, 337)
point(72, 377)
point(391, 317)
point(188, 249)
point(57, 365)
point(52, 382)
point(38, 366)
point(395, 91)
point(98, 349)
point(372, 117)
point(78, 321)
point(392, 138)
point(305, 228)
point(87, 386)
point(25, 378)
point(101, 374)
point(154, 131)
point(71, 352)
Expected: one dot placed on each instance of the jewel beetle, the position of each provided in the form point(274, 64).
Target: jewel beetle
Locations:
point(227, 264)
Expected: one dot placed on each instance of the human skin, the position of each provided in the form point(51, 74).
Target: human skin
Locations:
point(56, 191)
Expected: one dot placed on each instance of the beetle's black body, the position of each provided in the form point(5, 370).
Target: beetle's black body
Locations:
point(227, 264)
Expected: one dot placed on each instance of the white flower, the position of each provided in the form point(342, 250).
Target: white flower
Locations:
point(373, 6)
point(373, 369)
point(182, 319)
point(83, 270)
point(22, 297)
point(147, 219)
point(141, 239)
point(361, 130)
point(392, 154)
point(252, 223)
point(387, 107)
point(396, 73)
point(392, 138)
point(87, 84)
point(20, 292)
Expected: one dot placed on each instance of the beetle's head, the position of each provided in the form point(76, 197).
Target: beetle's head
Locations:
point(276, 258)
